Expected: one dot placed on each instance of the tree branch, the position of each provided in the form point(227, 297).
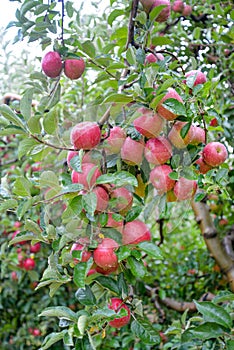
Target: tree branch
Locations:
point(208, 230)
point(131, 24)
point(181, 306)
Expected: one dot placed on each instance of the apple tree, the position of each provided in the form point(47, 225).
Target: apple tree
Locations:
point(117, 174)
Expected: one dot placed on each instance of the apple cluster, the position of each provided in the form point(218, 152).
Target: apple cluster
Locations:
point(53, 65)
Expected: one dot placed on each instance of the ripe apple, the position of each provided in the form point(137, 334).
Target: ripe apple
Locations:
point(28, 264)
point(163, 111)
point(84, 177)
point(151, 58)
point(102, 198)
point(214, 153)
point(104, 255)
point(14, 276)
point(123, 200)
point(86, 255)
point(158, 150)
point(85, 135)
point(74, 68)
point(35, 248)
point(135, 232)
point(178, 6)
point(185, 189)
point(149, 124)
point(118, 225)
point(176, 138)
point(187, 10)
point(223, 222)
point(106, 271)
point(115, 140)
point(203, 167)
point(36, 332)
point(199, 135)
point(17, 224)
point(117, 304)
point(200, 77)
point(160, 179)
point(132, 151)
point(52, 64)
point(214, 122)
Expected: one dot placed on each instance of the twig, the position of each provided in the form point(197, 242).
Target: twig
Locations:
point(161, 221)
point(62, 22)
point(181, 306)
point(101, 67)
point(131, 24)
point(51, 145)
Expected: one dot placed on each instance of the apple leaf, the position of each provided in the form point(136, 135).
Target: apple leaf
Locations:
point(85, 296)
point(60, 312)
point(151, 249)
point(214, 313)
point(137, 268)
point(7, 113)
point(174, 106)
point(144, 330)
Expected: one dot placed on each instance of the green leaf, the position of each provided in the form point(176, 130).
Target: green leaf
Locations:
point(76, 163)
point(51, 339)
point(223, 296)
point(113, 15)
point(34, 124)
point(141, 17)
point(12, 130)
point(122, 284)
point(185, 130)
point(76, 205)
point(82, 323)
point(204, 331)
point(26, 146)
point(60, 312)
point(120, 178)
point(144, 330)
point(32, 226)
point(161, 40)
point(173, 175)
point(155, 12)
point(174, 106)
point(230, 343)
point(108, 283)
point(123, 253)
point(214, 313)
point(80, 272)
point(151, 249)
point(22, 187)
point(73, 188)
point(50, 121)
point(133, 213)
point(22, 236)
point(131, 56)
point(118, 98)
point(85, 296)
point(90, 202)
point(137, 267)
point(140, 55)
point(89, 48)
point(26, 103)
point(49, 179)
point(7, 113)
point(69, 8)
point(8, 204)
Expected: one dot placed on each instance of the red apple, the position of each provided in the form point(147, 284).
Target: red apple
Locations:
point(28, 264)
point(160, 179)
point(102, 198)
point(214, 154)
point(85, 135)
point(132, 151)
point(151, 58)
point(74, 68)
point(35, 248)
point(165, 13)
point(117, 304)
point(135, 232)
point(187, 10)
point(158, 150)
point(162, 110)
point(14, 276)
point(106, 271)
point(104, 255)
point(115, 140)
point(17, 224)
point(118, 225)
point(223, 222)
point(203, 167)
point(148, 123)
point(52, 64)
point(86, 255)
point(84, 177)
point(199, 135)
point(200, 77)
point(185, 189)
point(123, 200)
point(36, 332)
point(178, 6)
point(176, 138)
point(214, 122)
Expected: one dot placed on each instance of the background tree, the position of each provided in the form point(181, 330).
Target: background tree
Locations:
point(98, 266)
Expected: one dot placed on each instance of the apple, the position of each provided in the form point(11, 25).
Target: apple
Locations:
point(214, 154)
point(115, 140)
point(199, 135)
point(106, 271)
point(160, 179)
point(111, 222)
point(74, 68)
point(158, 150)
point(35, 248)
point(104, 255)
point(203, 167)
point(86, 255)
point(117, 304)
point(151, 58)
point(28, 264)
point(36, 332)
point(185, 189)
point(148, 123)
point(200, 77)
point(187, 10)
point(165, 13)
point(14, 276)
point(17, 224)
point(84, 177)
point(223, 222)
point(162, 110)
point(85, 135)
point(132, 151)
point(102, 198)
point(70, 155)
point(135, 232)
point(178, 6)
point(214, 122)
point(123, 200)
point(176, 138)
point(52, 64)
